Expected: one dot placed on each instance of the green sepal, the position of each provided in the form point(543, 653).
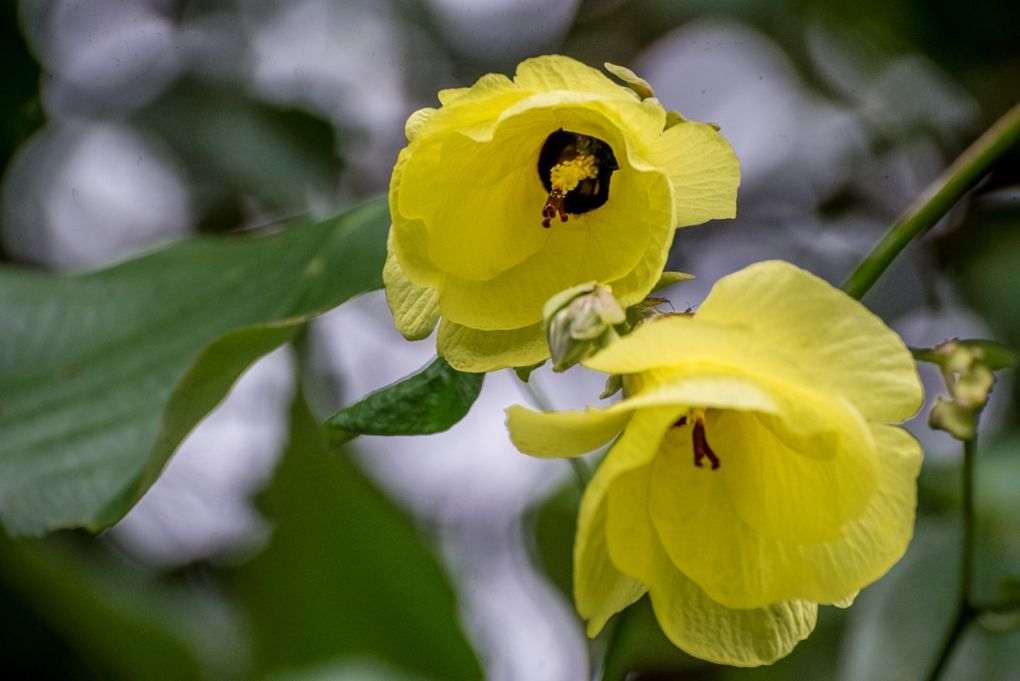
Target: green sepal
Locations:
point(669, 278)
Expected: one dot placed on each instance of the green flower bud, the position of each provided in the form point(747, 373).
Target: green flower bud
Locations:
point(969, 379)
point(579, 322)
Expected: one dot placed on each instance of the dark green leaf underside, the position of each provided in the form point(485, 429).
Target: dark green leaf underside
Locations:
point(430, 401)
point(103, 374)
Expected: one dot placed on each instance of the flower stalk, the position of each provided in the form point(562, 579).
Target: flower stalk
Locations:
point(966, 611)
point(935, 202)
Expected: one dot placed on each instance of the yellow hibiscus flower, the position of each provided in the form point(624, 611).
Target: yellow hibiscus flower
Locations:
point(757, 475)
point(514, 190)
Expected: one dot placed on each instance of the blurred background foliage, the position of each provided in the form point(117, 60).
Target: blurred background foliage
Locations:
point(125, 124)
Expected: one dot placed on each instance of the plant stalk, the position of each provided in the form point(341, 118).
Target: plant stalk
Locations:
point(965, 609)
point(937, 199)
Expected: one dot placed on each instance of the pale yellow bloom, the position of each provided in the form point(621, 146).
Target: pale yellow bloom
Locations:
point(757, 475)
point(514, 190)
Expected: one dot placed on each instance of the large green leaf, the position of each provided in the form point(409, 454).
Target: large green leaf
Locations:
point(429, 401)
point(345, 576)
point(103, 374)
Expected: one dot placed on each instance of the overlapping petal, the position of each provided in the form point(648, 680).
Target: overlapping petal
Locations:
point(757, 475)
point(847, 348)
point(688, 616)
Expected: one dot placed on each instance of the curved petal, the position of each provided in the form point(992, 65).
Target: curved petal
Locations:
point(845, 347)
point(572, 433)
point(408, 239)
point(703, 169)
point(478, 105)
point(468, 349)
point(474, 202)
point(633, 287)
point(689, 618)
point(416, 122)
point(873, 542)
point(739, 637)
point(485, 87)
point(555, 72)
point(600, 589)
point(415, 309)
point(684, 344)
point(562, 433)
point(704, 389)
point(731, 530)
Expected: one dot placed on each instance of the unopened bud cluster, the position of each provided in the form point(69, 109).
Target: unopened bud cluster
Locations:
point(969, 380)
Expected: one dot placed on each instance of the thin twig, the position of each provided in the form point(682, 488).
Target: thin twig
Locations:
point(965, 610)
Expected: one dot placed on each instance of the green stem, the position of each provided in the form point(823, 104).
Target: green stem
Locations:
point(582, 471)
point(965, 609)
point(936, 201)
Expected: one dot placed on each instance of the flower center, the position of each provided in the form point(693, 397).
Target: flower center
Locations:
point(701, 449)
point(575, 170)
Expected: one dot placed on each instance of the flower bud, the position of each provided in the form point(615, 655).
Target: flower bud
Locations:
point(579, 322)
point(969, 380)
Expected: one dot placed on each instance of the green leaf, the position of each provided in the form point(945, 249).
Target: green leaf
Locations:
point(430, 401)
point(345, 574)
point(103, 374)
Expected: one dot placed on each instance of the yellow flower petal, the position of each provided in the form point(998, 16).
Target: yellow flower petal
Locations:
point(600, 590)
point(591, 247)
point(795, 327)
point(739, 637)
point(739, 561)
point(704, 172)
point(468, 349)
point(572, 433)
point(415, 309)
point(408, 239)
point(487, 87)
point(478, 234)
point(692, 620)
point(720, 390)
point(682, 344)
point(555, 72)
point(416, 122)
point(563, 433)
point(830, 335)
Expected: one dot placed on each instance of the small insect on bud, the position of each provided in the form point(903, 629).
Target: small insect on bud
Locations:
point(581, 321)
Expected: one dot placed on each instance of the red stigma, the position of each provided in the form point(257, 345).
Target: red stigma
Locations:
point(701, 448)
point(553, 207)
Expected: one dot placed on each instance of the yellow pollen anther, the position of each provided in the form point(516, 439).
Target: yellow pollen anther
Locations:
point(567, 175)
point(564, 177)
